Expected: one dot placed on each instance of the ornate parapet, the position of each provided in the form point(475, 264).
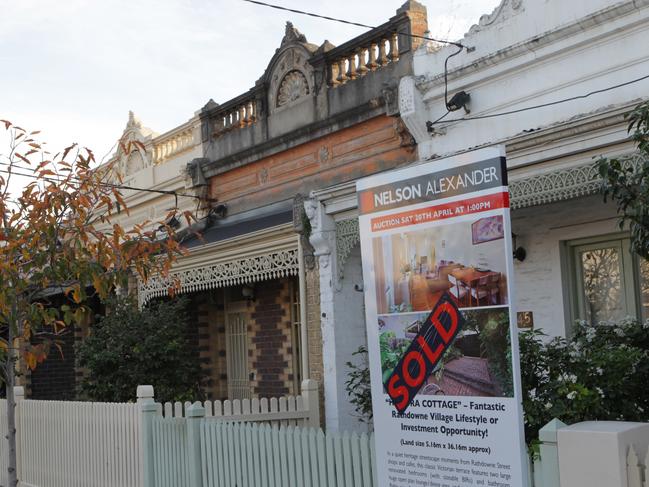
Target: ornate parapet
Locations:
point(242, 111)
point(141, 148)
point(378, 48)
point(562, 184)
point(175, 142)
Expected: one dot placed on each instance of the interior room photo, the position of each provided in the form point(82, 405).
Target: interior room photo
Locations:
point(465, 259)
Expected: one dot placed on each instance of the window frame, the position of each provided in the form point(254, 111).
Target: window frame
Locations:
point(573, 280)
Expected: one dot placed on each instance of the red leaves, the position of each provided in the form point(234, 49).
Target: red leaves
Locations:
point(63, 228)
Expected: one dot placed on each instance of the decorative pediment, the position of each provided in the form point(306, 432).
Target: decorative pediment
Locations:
point(293, 86)
point(292, 35)
point(130, 156)
point(503, 12)
point(289, 76)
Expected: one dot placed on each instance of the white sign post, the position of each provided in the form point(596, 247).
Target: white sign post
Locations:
point(442, 338)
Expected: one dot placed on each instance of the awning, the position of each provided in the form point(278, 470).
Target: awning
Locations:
point(252, 246)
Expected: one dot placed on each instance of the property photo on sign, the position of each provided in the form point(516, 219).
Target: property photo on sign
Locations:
point(417, 267)
point(442, 335)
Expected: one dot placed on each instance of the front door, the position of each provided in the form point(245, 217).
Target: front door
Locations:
point(236, 343)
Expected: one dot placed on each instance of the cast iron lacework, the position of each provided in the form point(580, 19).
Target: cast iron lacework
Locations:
point(347, 237)
point(240, 271)
point(561, 185)
point(293, 86)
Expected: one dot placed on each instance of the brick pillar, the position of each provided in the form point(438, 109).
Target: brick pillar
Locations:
point(269, 335)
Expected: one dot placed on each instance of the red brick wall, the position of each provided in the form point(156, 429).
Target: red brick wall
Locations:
point(55, 378)
point(270, 343)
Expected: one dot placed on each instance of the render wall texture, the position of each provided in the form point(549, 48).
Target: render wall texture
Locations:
point(369, 147)
point(540, 280)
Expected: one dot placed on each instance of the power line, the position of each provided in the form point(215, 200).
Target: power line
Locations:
point(542, 105)
point(348, 22)
point(110, 185)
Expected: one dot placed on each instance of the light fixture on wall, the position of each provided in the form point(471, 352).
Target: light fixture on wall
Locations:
point(248, 292)
point(519, 252)
point(220, 211)
point(459, 100)
point(172, 223)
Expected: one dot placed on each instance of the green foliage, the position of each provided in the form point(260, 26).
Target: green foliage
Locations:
point(627, 186)
point(357, 386)
point(599, 374)
point(130, 347)
point(495, 345)
point(392, 348)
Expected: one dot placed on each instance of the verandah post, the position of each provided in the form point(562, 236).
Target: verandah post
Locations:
point(195, 413)
point(311, 401)
point(145, 400)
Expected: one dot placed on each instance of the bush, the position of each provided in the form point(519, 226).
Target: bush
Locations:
point(358, 386)
point(130, 347)
point(598, 374)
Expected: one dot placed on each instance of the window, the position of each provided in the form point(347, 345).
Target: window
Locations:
point(296, 333)
point(608, 282)
point(237, 318)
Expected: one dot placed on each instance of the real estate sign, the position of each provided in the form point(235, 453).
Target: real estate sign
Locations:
point(437, 268)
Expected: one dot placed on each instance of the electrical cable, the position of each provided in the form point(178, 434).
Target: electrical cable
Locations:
point(542, 105)
point(446, 79)
point(416, 36)
point(348, 22)
point(54, 180)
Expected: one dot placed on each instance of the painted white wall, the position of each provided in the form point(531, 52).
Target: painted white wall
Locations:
point(541, 231)
point(530, 52)
point(350, 334)
point(537, 53)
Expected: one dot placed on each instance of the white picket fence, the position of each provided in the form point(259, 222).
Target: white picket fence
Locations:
point(250, 455)
point(262, 442)
point(208, 452)
point(78, 444)
point(302, 410)
point(86, 444)
point(637, 472)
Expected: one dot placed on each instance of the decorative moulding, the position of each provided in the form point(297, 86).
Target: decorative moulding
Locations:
point(272, 265)
point(257, 256)
point(501, 13)
point(562, 184)
point(347, 237)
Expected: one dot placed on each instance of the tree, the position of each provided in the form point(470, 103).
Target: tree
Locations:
point(131, 346)
point(628, 186)
point(59, 231)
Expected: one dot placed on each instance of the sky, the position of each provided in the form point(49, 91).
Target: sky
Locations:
point(74, 68)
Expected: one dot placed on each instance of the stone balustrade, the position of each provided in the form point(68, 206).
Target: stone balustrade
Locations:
point(373, 54)
point(322, 68)
point(237, 113)
point(175, 142)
